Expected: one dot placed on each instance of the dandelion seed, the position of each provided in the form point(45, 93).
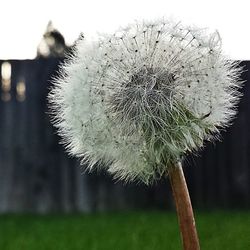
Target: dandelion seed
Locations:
point(139, 100)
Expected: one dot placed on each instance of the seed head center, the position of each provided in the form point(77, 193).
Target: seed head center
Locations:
point(151, 79)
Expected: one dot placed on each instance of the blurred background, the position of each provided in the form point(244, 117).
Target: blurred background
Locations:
point(38, 178)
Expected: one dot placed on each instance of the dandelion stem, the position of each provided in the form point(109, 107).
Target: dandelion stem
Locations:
point(184, 209)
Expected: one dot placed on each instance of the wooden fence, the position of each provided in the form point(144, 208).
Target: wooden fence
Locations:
point(37, 176)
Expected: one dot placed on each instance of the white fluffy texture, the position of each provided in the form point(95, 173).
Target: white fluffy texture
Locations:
point(150, 90)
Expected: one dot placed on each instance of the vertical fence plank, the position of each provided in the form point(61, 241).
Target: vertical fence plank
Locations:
point(6, 151)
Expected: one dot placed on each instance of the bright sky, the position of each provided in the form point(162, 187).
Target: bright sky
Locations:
point(22, 23)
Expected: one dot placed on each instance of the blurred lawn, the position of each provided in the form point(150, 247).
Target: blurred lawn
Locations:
point(122, 231)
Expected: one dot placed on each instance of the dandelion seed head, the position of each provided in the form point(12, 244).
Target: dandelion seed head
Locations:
point(139, 100)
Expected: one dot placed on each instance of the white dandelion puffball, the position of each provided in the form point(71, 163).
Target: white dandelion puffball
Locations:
point(137, 101)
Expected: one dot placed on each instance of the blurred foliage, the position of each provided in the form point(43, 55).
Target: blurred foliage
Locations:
point(52, 44)
point(120, 231)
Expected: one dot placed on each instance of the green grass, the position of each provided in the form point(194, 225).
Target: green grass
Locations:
point(222, 230)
